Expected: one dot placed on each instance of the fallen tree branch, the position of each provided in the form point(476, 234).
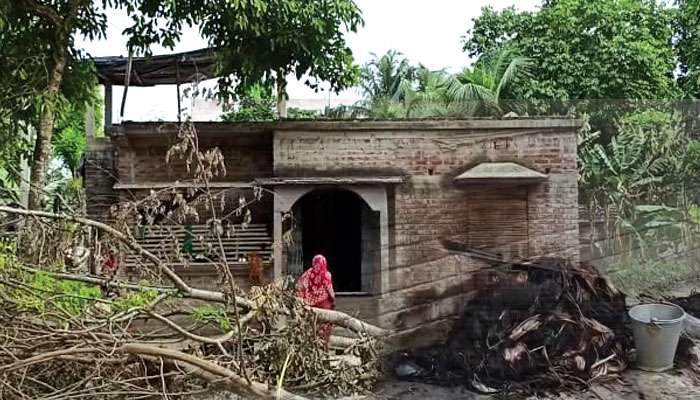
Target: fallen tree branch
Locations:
point(206, 369)
point(177, 328)
point(335, 317)
point(129, 242)
point(346, 321)
point(43, 357)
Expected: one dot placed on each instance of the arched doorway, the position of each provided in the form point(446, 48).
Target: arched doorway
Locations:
point(340, 225)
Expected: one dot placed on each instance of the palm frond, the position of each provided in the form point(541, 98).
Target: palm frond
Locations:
point(518, 68)
point(457, 91)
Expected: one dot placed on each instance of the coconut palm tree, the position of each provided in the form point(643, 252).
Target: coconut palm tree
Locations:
point(384, 77)
point(490, 86)
point(393, 88)
point(425, 97)
point(384, 81)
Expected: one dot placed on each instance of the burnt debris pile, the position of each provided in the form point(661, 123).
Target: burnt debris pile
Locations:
point(690, 304)
point(538, 325)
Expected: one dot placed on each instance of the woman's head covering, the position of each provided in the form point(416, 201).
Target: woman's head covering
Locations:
point(315, 286)
point(319, 262)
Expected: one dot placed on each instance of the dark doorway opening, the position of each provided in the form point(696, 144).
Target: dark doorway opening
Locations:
point(331, 224)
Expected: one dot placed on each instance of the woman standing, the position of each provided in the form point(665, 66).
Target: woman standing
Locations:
point(315, 288)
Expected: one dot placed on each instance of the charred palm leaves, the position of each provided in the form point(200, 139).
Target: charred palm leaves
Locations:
point(536, 326)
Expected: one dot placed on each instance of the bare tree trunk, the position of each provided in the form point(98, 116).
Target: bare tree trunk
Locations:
point(42, 147)
point(281, 95)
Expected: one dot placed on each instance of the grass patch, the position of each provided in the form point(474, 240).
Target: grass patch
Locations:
point(635, 277)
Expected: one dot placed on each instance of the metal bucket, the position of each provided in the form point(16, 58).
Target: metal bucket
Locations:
point(656, 329)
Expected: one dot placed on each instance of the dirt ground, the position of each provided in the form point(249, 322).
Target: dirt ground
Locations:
point(678, 384)
point(637, 385)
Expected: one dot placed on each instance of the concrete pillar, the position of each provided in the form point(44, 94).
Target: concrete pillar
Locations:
point(376, 199)
point(284, 199)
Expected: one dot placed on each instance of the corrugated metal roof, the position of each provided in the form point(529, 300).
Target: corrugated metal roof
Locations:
point(168, 69)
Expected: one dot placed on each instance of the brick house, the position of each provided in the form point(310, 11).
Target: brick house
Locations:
point(378, 198)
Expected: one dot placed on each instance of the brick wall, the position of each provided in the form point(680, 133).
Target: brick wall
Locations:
point(430, 205)
point(142, 150)
point(135, 155)
point(245, 156)
point(428, 285)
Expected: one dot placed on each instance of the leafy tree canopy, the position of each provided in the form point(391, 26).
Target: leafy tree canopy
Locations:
point(688, 46)
point(257, 40)
point(256, 104)
point(607, 49)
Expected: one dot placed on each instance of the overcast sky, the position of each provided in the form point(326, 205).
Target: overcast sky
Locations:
point(425, 31)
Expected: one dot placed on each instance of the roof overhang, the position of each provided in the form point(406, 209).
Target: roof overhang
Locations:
point(171, 69)
point(500, 173)
point(335, 180)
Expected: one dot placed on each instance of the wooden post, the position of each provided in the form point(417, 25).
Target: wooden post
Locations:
point(177, 81)
point(127, 82)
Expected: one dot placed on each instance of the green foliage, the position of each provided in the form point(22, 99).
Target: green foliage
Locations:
point(70, 138)
point(64, 192)
point(256, 104)
point(67, 296)
point(607, 49)
point(642, 181)
point(213, 315)
point(386, 78)
point(136, 300)
point(256, 40)
point(77, 296)
point(265, 40)
point(299, 113)
point(343, 111)
point(8, 255)
point(650, 275)
point(69, 146)
point(644, 157)
point(27, 46)
point(40, 292)
point(393, 88)
point(492, 85)
point(687, 25)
